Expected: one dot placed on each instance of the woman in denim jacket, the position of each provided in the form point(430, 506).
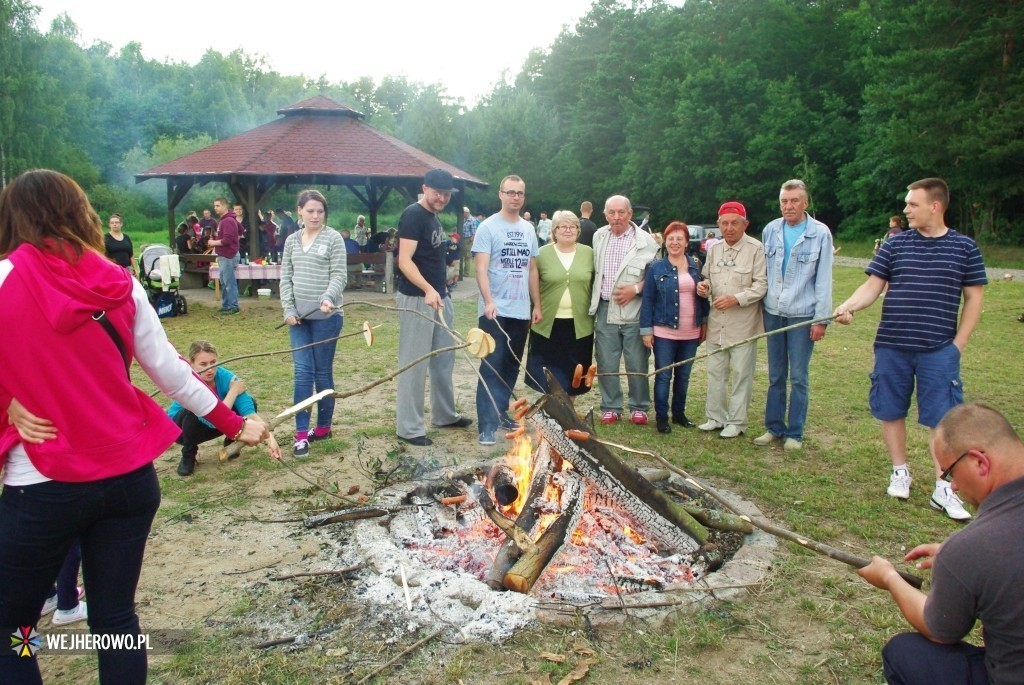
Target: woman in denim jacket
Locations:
point(673, 322)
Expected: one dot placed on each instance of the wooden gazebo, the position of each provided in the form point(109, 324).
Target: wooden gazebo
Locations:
point(316, 142)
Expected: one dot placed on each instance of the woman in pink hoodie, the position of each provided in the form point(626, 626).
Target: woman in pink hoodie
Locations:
point(77, 439)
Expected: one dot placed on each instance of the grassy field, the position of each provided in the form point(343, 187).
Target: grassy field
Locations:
point(813, 621)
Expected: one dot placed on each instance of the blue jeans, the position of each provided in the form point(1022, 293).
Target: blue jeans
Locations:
point(669, 352)
point(111, 518)
point(499, 370)
point(789, 357)
point(228, 282)
point(913, 659)
point(613, 344)
point(314, 366)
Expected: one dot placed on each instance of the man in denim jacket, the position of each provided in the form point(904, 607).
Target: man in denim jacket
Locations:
point(798, 252)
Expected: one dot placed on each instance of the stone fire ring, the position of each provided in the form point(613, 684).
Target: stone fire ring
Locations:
point(441, 597)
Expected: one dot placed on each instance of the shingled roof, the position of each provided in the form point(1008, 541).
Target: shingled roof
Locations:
point(316, 142)
point(317, 137)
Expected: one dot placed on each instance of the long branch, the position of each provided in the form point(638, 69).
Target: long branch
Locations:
point(769, 527)
point(723, 348)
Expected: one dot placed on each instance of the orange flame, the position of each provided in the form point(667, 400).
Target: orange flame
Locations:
point(520, 460)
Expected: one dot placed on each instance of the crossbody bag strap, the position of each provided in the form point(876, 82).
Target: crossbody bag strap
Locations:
point(100, 317)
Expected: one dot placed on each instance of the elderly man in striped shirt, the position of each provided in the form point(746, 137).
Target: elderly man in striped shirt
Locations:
point(622, 252)
point(919, 339)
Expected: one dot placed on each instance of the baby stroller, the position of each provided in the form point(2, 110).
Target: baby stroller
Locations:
point(160, 272)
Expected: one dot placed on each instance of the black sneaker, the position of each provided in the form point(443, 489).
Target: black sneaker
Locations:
point(421, 441)
point(681, 420)
point(663, 426)
point(313, 437)
point(301, 447)
point(461, 422)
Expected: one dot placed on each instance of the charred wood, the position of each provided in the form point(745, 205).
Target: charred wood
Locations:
point(522, 576)
point(509, 552)
point(508, 526)
point(664, 519)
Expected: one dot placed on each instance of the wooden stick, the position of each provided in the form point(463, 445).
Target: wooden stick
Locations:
point(401, 656)
point(351, 515)
point(276, 642)
point(724, 348)
point(393, 374)
point(312, 574)
point(236, 447)
point(769, 527)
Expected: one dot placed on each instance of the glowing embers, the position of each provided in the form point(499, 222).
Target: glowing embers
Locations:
point(576, 541)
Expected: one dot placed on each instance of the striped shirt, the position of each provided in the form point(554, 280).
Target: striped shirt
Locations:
point(314, 274)
point(926, 280)
point(618, 247)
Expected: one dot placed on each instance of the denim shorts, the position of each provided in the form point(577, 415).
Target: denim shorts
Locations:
point(937, 373)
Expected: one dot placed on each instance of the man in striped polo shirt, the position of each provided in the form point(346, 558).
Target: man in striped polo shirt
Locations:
point(919, 339)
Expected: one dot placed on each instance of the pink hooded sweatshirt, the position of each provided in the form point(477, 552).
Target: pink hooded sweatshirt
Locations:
point(62, 365)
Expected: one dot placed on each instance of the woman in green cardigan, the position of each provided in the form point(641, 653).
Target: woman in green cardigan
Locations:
point(564, 337)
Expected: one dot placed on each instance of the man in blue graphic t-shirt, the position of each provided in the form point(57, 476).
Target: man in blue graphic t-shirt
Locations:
point(505, 257)
point(918, 340)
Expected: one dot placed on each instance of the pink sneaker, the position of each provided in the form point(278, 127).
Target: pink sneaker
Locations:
point(638, 417)
point(610, 417)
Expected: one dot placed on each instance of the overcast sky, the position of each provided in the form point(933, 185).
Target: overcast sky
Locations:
point(464, 44)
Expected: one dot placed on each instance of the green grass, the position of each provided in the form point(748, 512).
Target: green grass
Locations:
point(813, 621)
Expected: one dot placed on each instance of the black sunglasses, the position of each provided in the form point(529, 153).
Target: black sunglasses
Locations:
point(947, 475)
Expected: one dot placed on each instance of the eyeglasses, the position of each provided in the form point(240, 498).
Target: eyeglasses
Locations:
point(565, 227)
point(947, 475)
point(514, 193)
point(726, 262)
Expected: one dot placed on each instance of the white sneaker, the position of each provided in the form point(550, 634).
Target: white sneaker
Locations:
point(792, 445)
point(944, 499)
point(710, 425)
point(51, 602)
point(899, 484)
point(766, 439)
point(730, 431)
point(63, 618)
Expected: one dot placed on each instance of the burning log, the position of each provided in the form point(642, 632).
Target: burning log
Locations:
point(530, 565)
point(509, 552)
point(502, 482)
point(509, 527)
point(663, 518)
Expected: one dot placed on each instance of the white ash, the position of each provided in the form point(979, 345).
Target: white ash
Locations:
point(451, 596)
point(446, 563)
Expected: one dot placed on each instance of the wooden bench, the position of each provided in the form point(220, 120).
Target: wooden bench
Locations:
point(195, 269)
point(377, 276)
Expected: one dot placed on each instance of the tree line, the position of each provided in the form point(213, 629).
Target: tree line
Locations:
point(680, 108)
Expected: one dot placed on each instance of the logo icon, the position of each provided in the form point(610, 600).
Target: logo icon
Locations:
point(25, 641)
